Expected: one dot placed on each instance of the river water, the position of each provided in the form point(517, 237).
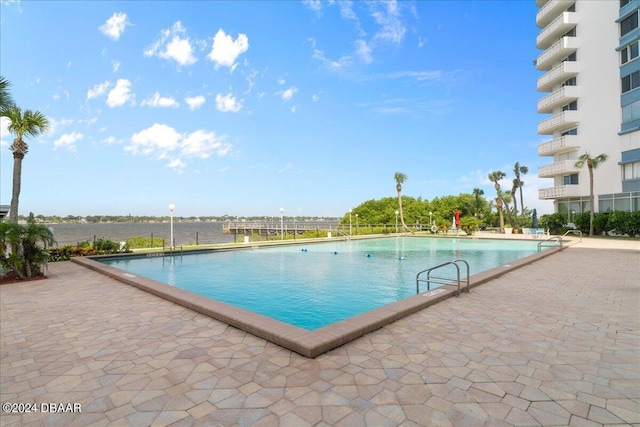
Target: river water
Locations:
point(184, 233)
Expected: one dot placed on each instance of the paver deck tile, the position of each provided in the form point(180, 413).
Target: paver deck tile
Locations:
point(556, 342)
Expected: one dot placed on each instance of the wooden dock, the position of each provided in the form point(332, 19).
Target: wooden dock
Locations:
point(273, 228)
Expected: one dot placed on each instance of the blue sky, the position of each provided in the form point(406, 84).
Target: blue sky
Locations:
point(241, 108)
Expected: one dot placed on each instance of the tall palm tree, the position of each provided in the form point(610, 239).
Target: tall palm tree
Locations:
point(517, 170)
point(592, 163)
point(477, 193)
point(400, 178)
point(514, 188)
point(27, 123)
point(5, 97)
point(495, 177)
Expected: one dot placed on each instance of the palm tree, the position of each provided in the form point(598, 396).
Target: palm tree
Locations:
point(400, 179)
point(517, 170)
point(495, 177)
point(477, 193)
point(592, 163)
point(5, 96)
point(27, 123)
point(516, 184)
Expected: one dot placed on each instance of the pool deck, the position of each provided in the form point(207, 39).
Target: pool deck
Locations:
point(555, 342)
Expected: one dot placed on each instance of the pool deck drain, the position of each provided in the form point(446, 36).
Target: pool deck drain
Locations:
point(555, 342)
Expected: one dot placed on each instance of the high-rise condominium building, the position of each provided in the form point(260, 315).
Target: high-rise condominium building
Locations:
point(591, 100)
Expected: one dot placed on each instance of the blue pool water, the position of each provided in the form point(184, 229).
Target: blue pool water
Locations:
point(319, 284)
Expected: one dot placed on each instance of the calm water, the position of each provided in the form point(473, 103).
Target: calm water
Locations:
point(318, 284)
point(184, 233)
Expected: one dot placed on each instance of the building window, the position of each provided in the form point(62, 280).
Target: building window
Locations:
point(628, 53)
point(570, 179)
point(631, 81)
point(570, 106)
point(572, 8)
point(572, 57)
point(629, 23)
point(631, 112)
point(623, 3)
point(570, 82)
point(631, 171)
point(570, 132)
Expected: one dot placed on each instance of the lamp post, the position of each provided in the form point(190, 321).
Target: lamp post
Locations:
point(397, 213)
point(350, 210)
point(281, 223)
point(430, 220)
point(356, 224)
point(171, 208)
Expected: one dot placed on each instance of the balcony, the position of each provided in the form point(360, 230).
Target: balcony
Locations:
point(559, 192)
point(557, 27)
point(557, 75)
point(561, 145)
point(541, 3)
point(550, 11)
point(557, 52)
point(564, 167)
point(558, 98)
point(559, 122)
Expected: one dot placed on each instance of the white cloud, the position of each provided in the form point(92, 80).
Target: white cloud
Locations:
point(4, 131)
point(164, 142)
point(227, 103)
point(388, 17)
point(114, 27)
point(225, 50)
point(160, 101)
point(170, 45)
point(115, 66)
point(287, 94)
point(315, 98)
point(120, 94)
point(203, 144)
point(98, 89)
point(363, 50)
point(157, 140)
point(68, 141)
point(195, 102)
point(110, 140)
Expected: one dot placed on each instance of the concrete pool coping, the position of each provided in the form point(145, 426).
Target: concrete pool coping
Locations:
point(309, 343)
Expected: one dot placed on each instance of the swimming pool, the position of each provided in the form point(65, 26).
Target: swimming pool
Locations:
point(318, 284)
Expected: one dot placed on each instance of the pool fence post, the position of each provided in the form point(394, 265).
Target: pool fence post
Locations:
point(151, 244)
point(196, 238)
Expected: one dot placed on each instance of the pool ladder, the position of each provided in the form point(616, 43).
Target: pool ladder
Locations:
point(443, 280)
point(549, 243)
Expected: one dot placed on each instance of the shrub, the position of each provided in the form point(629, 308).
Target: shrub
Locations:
point(23, 248)
point(619, 222)
point(554, 222)
point(139, 242)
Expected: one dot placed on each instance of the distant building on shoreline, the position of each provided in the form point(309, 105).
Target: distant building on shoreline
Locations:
point(591, 102)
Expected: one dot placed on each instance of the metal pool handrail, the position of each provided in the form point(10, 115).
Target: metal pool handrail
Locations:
point(574, 232)
point(550, 240)
point(443, 280)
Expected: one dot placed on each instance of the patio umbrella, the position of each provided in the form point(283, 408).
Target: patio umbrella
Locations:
point(457, 218)
point(535, 219)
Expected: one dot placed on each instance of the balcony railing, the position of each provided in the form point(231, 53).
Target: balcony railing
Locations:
point(559, 192)
point(557, 75)
point(556, 28)
point(557, 98)
point(563, 120)
point(558, 51)
point(560, 145)
point(563, 167)
point(550, 11)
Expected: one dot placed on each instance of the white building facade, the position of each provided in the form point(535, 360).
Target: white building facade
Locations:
point(590, 96)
